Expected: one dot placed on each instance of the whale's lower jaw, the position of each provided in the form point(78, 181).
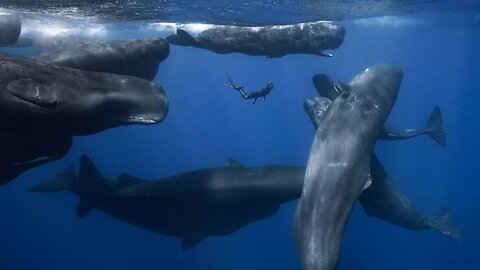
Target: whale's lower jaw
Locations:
point(141, 120)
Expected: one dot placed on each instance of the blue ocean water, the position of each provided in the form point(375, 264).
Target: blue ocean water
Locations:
point(208, 123)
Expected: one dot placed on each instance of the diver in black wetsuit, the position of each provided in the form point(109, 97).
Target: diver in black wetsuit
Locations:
point(253, 95)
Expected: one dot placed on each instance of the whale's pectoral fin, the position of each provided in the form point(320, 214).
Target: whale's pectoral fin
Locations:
point(368, 183)
point(192, 240)
point(234, 163)
point(92, 186)
point(33, 92)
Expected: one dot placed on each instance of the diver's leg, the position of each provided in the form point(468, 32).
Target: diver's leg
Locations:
point(244, 93)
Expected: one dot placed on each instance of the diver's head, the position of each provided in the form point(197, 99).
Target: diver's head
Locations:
point(270, 85)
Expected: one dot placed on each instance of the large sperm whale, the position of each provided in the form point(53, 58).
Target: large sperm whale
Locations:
point(193, 205)
point(338, 168)
point(382, 199)
point(271, 41)
point(34, 94)
point(43, 105)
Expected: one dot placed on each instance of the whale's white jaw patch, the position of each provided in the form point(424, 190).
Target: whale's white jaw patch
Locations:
point(141, 120)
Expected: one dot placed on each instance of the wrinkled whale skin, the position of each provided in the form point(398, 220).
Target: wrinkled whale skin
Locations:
point(44, 105)
point(271, 41)
point(338, 168)
point(36, 95)
point(382, 199)
point(192, 205)
point(138, 58)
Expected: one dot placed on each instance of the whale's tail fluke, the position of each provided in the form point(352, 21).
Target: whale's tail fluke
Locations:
point(182, 37)
point(435, 127)
point(443, 223)
point(64, 181)
point(91, 186)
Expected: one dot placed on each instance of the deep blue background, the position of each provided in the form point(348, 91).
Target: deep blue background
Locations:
point(208, 123)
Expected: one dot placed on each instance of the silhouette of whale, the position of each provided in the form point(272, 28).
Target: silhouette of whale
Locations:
point(270, 41)
point(338, 168)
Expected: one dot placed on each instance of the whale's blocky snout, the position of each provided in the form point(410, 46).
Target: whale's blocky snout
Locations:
point(10, 27)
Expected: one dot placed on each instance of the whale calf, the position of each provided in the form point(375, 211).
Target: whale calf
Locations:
point(382, 199)
point(10, 27)
point(271, 41)
point(139, 58)
point(192, 205)
point(338, 168)
point(326, 87)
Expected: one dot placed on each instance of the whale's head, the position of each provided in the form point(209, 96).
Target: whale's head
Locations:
point(81, 102)
point(371, 96)
point(361, 105)
point(10, 27)
point(378, 86)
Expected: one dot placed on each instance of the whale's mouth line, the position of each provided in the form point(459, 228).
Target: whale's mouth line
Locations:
point(27, 101)
point(33, 161)
point(135, 119)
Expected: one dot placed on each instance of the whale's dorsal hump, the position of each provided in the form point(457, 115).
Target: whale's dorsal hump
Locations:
point(234, 163)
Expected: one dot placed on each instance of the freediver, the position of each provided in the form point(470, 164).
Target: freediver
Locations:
point(253, 95)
